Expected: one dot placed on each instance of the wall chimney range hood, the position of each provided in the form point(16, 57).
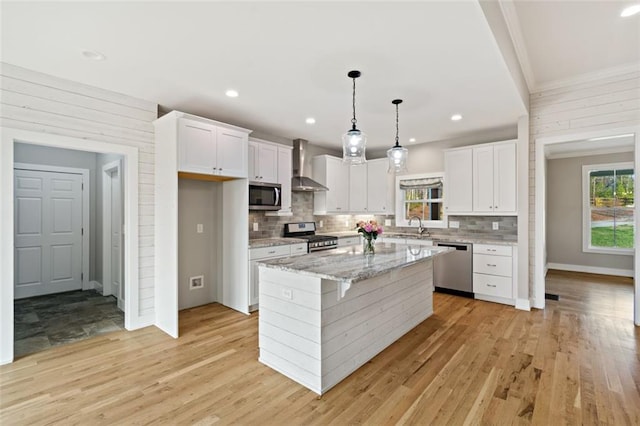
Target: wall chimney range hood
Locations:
point(300, 182)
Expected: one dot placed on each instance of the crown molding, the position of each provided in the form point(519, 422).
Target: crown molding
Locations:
point(510, 15)
point(587, 77)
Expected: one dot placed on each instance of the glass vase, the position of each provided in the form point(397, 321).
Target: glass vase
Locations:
point(368, 246)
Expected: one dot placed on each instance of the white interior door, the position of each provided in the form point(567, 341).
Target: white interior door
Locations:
point(116, 237)
point(47, 232)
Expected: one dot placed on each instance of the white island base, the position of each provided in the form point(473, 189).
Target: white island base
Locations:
point(313, 334)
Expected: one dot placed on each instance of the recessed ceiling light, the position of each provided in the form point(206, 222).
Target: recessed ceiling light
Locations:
point(456, 117)
point(412, 140)
point(232, 93)
point(92, 54)
point(630, 11)
point(310, 120)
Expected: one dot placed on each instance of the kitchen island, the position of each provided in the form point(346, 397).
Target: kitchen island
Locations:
point(324, 315)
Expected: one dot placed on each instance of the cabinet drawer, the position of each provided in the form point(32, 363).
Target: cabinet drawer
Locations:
point(491, 249)
point(394, 240)
point(494, 265)
point(348, 241)
point(298, 249)
point(266, 252)
point(492, 285)
point(416, 242)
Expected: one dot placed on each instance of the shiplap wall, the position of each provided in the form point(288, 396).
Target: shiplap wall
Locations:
point(608, 103)
point(38, 102)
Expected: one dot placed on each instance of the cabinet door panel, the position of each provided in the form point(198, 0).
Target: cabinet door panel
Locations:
point(337, 182)
point(253, 171)
point(483, 179)
point(284, 177)
point(378, 185)
point(196, 142)
point(232, 153)
point(504, 178)
point(458, 181)
point(268, 163)
point(358, 188)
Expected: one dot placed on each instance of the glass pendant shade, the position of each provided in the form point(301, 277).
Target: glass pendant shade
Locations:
point(397, 155)
point(353, 147)
point(397, 159)
point(354, 141)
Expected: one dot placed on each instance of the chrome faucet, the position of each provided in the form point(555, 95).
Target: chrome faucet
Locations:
point(420, 228)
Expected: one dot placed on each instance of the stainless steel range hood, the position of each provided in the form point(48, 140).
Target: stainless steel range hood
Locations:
point(300, 182)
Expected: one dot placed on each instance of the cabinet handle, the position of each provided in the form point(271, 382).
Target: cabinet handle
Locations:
point(489, 264)
point(491, 249)
point(271, 252)
point(491, 285)
point(495, 207)
point(490, 207)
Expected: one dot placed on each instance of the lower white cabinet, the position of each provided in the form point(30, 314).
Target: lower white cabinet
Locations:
point(348, 241)
point(493, 272)
point(265, 253)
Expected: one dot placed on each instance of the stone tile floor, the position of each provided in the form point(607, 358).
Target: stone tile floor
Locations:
point(46, 321)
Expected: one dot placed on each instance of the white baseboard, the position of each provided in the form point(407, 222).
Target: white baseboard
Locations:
point(141, 322)
point(523, 304)
point(591, 269)
point(95, 285)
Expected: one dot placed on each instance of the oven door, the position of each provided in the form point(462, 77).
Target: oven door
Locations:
point(264, 196)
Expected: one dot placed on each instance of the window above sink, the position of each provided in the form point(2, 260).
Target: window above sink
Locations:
point(420, 195)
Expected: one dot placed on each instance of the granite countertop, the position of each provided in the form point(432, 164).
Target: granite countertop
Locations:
point(416, 236)
point(349, 265)
point(271, 242)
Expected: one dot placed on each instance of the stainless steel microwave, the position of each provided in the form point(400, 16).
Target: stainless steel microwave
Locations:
point(264, 196)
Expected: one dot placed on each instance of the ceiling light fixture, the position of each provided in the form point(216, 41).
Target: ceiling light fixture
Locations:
point(232, 93)
point(354, 141)
point(456, 117)
point(630, 11)
point(310, 120)
point(93, 55)
point(397, 155)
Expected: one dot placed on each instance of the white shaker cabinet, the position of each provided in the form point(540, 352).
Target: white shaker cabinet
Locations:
point(458, 181)
point(494, 178)
point(263, 161)
point(379, 187)
point(284, 178)
point(207, 147)
point(334, 174)
point(494, 279)
point(357, 188)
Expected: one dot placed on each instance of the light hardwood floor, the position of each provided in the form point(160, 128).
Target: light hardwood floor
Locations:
point(472, 362)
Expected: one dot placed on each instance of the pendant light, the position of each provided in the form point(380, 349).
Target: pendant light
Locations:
point(397, 155)
point(354, 141)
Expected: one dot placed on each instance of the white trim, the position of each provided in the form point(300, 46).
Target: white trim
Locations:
point(540, 210)
point(591, 269)
point(400, 221)
point(86, 209)
point(523, 304)
point(586, 78)
point(8, 137)
point(106, 224)
point(586, 209)
point(494, 299)
point(96, 285)
point(602, 151)
point(513, 25)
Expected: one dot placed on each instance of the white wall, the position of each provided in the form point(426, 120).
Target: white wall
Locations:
point(595, 106)
point(564, 214)
point(50, 106)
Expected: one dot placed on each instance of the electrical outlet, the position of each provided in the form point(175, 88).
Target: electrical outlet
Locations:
point(287, 293)
point(321, 224)
point(199, 228)
point(255, 226)
point(387, 222)
point(346, 223)
point(454, 224)
point(496, 226)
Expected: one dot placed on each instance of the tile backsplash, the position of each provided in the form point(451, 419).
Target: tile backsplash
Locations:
point(302, 202)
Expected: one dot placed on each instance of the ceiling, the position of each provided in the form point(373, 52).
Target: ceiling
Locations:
point(289, 60)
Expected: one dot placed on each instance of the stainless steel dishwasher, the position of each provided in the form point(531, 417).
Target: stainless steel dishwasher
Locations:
point(452, 272)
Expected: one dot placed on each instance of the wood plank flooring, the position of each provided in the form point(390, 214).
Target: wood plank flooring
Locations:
point(472, 362)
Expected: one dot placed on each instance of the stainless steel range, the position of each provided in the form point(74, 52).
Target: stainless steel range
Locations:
point(307, 231)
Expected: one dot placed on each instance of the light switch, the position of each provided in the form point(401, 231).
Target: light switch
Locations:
point(496, 226)
point(199, 228)
point(387, 222)
point(321, 224)
point(255, 226)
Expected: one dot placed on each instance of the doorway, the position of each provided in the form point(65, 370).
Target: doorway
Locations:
point(599, 141)
point(112, 226)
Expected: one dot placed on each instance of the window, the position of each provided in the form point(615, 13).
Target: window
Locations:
point(608, 208)
point(420, 196)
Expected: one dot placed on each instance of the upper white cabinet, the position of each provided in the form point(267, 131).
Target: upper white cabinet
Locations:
point(283, 157)
point(212, 148)
point(334, 174)
point(458, 181)
point(362, 188)
point(263, 161)
point(494, 178)
point(481, 179)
